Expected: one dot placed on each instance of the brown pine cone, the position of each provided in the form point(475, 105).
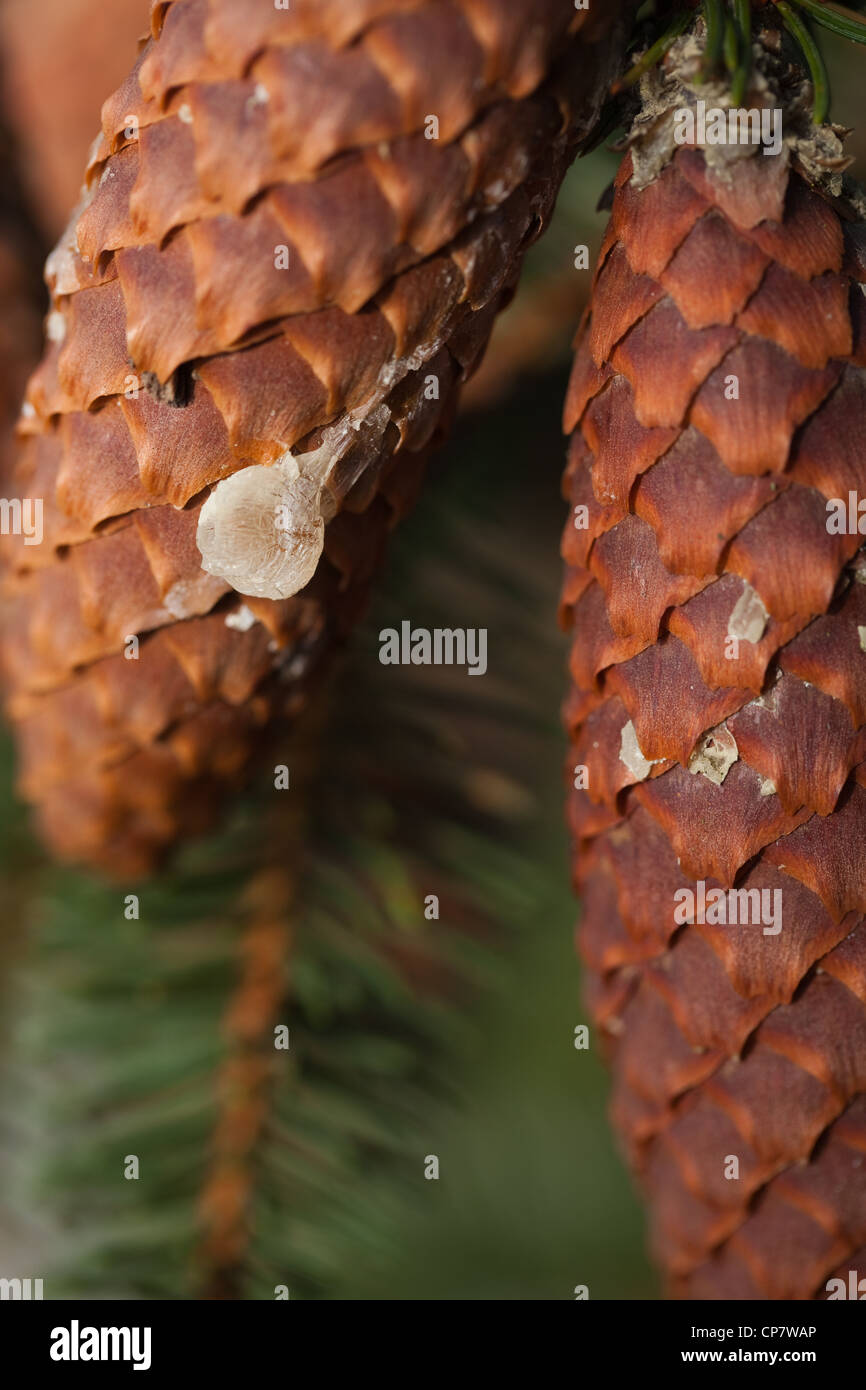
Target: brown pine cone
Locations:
point(716, 719)
point(297, 230)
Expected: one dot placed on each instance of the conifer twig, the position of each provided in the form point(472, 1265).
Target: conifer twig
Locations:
point(244, 1082)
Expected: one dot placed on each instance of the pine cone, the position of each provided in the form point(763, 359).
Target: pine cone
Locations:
point(716, 719)
point(297, 229)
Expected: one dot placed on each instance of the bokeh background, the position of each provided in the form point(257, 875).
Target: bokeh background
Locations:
point(409, 1037)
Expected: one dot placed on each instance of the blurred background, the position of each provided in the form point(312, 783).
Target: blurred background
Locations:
point(409, 1038)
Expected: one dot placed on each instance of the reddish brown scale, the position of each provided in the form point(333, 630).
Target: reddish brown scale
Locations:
point(698, 518)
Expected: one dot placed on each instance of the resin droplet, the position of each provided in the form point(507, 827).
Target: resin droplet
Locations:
point(262, 530)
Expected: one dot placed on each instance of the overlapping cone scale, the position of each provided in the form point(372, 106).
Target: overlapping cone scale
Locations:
point(717, 714)
point(297, 228)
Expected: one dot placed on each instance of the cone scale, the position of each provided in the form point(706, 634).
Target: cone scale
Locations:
point(717, 761)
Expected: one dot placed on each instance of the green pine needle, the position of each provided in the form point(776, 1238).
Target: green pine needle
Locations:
point(715, 21)
point(654, 53)
point(731, 46)
point(848, 26)
point(743, 20)
point(817, 71)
